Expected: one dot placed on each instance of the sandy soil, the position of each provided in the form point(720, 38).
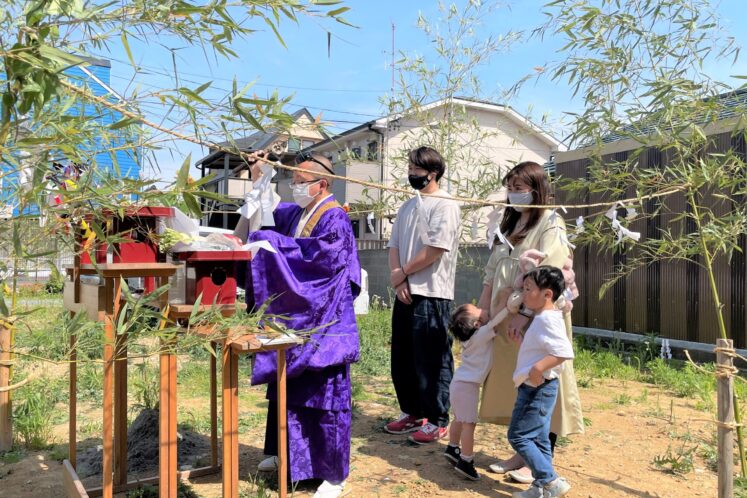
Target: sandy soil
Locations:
point(628, 425)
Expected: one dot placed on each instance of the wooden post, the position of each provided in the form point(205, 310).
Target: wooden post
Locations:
point(282, 427)
point(120, 410)
point(230, 423)
point(167, 467)
point(6, 412)
point(213, 405)
point(725, 396)
point(108, 409)
point(73, 405)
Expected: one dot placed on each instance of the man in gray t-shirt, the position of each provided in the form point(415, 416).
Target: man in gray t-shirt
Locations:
point(422, 259)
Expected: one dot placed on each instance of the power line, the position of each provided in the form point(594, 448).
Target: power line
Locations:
point(161, 72)
point(226, 90)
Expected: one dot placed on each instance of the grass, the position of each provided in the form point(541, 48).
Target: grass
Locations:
point(375, 332)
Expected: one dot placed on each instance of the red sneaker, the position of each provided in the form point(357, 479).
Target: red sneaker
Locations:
point(404, 424)
point(428, 434)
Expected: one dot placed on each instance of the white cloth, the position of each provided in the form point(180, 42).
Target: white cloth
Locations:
point(260, 201)
point(545, 336)
point(477, 356)
point(306, 216)
point(443, 218)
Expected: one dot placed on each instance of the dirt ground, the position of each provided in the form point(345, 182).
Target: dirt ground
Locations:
point(629, 424)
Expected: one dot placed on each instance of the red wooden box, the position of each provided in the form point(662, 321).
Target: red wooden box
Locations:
point(213, 274)
point(136, 246)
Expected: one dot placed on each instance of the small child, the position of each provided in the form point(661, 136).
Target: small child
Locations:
point(544, 348)
point(464, 392)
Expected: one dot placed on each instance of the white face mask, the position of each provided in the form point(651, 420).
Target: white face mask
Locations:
point(520, 198)
point(301, 194)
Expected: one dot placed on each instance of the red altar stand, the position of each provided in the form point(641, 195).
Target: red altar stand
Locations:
point(212, 274)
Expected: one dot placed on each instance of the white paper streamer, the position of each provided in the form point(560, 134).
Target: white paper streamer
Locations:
point(261, 198)
point(254, 247)
point(623, 232)
point(370, 221)
point(473, 228)
point(666, 351)
point(579, 228)
point(494, 225)
point(504, 240)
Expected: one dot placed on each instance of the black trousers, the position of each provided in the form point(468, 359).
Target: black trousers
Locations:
point(422, 364)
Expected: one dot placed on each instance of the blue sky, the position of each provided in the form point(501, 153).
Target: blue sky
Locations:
point(346, 87)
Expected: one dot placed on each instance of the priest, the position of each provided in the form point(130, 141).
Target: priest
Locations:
point(311, 280)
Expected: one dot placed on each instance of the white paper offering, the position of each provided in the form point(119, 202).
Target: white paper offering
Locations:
point(254, 247)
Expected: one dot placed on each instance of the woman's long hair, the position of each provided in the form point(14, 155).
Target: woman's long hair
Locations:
point(535, 176)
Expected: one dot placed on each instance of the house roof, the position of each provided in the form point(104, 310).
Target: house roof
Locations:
point(731, 104)
point(381, 123)
point(255, 141)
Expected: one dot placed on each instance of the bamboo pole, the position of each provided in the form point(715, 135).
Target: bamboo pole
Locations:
point(725, 396)
point(6, 430)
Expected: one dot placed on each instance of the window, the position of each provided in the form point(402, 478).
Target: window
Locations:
point(355, 153)
point(307, 143)
point(356, 228)
point(294, 145)
point(373, 151)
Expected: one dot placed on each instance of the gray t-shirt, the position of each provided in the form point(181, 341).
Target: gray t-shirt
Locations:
point(443, 221)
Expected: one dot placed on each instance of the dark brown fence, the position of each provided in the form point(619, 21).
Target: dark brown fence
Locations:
point(669, 299)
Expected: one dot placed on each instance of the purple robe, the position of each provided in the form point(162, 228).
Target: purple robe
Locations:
point(313, 282)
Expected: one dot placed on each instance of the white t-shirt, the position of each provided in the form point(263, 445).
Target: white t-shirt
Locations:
point(546, 335)
point(443, 219)
point(477, 356)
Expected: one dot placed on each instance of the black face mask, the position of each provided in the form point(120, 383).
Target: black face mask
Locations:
point(418, 182)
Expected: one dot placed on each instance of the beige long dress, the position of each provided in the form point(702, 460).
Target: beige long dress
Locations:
point(499, 393)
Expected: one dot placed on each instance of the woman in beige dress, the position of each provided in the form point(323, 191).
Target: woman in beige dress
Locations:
point(524, 228)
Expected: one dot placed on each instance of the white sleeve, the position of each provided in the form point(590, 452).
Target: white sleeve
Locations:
point(394, 237)
point(483, 335)
point(444, 225)
point(556, 340)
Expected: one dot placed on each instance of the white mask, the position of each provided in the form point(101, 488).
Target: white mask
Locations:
point(520, 198)
point(301, 194)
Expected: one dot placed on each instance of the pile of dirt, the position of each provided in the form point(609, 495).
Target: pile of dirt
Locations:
point(142, 448)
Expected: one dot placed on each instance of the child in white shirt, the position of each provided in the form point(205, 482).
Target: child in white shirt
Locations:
point(544, 348)
point(464, 392)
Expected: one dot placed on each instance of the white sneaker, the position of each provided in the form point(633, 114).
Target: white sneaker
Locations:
point(331, 490)
point(269, 464)
point(556, 488)
point(532, 492)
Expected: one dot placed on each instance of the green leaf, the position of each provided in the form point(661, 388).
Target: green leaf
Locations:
point(3, 307)
point(193, 96)
point(248, 116)
point(337, 12)
point(192, 204)
point(126, 46)
point(275, 30)
point(182, 176)
point(195, 309)
point(123, 123)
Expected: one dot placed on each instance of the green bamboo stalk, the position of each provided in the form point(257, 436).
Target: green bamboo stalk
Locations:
point(721, 325)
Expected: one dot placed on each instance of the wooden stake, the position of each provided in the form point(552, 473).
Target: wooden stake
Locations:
point(6, 419)
point(282, 427)
point(725, 396)
point(108, 409)
point(230, 423)
point(213, 406)
point(73, 405)
point(120, 410)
